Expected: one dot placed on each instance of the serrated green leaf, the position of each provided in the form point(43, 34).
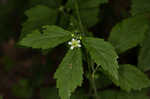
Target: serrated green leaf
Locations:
point(38, 16)
point(69, 73)
point(144, 55)
point(131, 78)
point(103, 54)
point(89, 10)
point(129, 33)
point(140, 7)
point(50, 38)
point(114, 94)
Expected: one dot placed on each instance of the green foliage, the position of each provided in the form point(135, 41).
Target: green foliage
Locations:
point(140, 7)
point(130, 78)
point(114, 94)
point(49, 24)
point(103, 54)
point(129, 33)
point(144, 55)
point(89, 10)
point(51, 37)
point(69, 74)
point(1, 97)
point(38, 16)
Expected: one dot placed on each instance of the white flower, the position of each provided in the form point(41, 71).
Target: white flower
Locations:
point(74, 43)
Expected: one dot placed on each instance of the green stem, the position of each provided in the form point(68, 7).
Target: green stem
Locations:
point(90, 62)
point(78, 15)
point(92, 74)
point(94, 87)
point(93, 80)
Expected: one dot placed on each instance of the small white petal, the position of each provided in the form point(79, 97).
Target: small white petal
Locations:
point(72, 47)
point(78, 41)
point(73, 39)
point(70, 43)
point(79, 45)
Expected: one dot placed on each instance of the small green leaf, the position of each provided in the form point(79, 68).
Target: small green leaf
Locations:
point(140, 7)
point(131, 78)
point(69, 73)
point(129, 33)
point(51, 37)
point(38, 16)
point(114, 94)
point(144, 55)
point(103, 54)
